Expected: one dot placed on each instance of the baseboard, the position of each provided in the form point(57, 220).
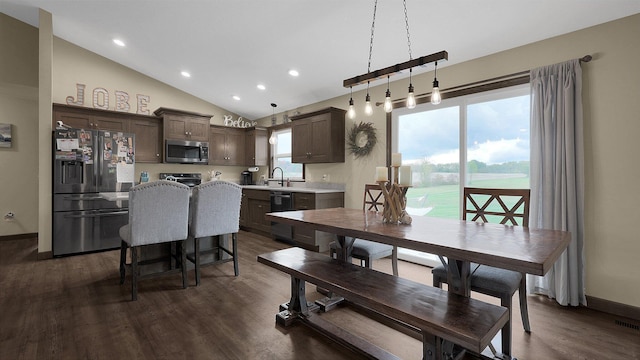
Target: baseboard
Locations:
point(45, 255)
point(19, 236)
point(614, 308)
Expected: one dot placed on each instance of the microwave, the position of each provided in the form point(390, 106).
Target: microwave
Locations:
point(186, 152)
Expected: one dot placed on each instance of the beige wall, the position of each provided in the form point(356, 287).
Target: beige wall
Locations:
point(611, 88)
point(19, 107)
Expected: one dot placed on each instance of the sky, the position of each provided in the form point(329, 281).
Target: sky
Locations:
point(497, 132)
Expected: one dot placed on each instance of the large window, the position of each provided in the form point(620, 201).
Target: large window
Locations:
point(281, 154)
point(487, 132)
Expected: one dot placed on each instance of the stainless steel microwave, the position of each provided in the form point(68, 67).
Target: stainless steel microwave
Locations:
point(186, 152)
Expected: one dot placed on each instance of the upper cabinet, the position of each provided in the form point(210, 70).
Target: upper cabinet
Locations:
point(318, 137)
point(226, 146)
point(86, 118)
point(256, 147)
point(148, 139)
point(147, 129)
point(184, 125)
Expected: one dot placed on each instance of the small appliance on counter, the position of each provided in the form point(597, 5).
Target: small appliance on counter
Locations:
point(246, 177)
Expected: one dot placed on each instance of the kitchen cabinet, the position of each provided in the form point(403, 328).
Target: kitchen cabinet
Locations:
point(258, 204)
point(312, 239)
point(87, 118)
point(148, 140)
point(184, 125)
point(318, 137)
point(147, 129)
point(256, 147)
point(244, 210)
point(226, 146)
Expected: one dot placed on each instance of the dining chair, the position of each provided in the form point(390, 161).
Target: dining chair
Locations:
point(215, 211)
point(158, 213)
point(364, 250)
point(508, 207)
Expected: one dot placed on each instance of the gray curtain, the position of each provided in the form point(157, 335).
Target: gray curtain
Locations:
point(557, 175)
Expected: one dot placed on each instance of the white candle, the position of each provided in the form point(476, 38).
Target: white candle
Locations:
point(396, 159)
point(405, 175)
point(381, 173)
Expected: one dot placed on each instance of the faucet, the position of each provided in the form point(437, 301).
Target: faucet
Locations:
point(281, 182)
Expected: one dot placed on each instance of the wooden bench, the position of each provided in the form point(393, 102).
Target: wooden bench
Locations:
point(438, 314)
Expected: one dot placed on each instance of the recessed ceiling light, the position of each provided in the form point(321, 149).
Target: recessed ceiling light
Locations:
point(294, 72)
point(118, 42)
point(236, 97)
point(185, 74)
point(261, 87)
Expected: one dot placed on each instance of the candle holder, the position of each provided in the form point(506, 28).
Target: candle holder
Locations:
point(395, 200)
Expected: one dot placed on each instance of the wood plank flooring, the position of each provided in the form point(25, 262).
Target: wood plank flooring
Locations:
point(75, 308)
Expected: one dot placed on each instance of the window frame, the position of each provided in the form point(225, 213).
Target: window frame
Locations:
point(282, 128)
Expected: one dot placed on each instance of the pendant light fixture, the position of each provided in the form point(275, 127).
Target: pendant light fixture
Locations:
point(351, 113)
point(436, 98)
point(411, 98)
point(390, 70)
point(273, 139)
point(388, 105)
point(368, 109)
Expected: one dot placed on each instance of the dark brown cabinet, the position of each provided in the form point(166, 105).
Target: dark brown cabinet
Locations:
point(257, 205)
point(318, 137)
point(312, 239)
point(256, 147)
point(226, 146)
point(184, 125)
point(147, 129)
point(148, 140)
point(87, 118)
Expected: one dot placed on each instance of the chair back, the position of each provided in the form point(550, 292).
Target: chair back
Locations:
point(505, 206)
point(373, 198)
point(158, 212)
point(215, 209)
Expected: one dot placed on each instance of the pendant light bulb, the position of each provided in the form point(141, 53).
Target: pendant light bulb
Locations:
point(411, 98)
point(368, 109)
point(388, 105)
point(351, 113)
point(436, 98)
point(273, 139)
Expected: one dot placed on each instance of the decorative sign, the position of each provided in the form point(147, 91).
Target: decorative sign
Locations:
point(241, 123)
point(101, 100)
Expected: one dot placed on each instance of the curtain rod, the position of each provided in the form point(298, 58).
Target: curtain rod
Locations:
point(514, 76)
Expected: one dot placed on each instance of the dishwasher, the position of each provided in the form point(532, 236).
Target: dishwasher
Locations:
point(281, 201)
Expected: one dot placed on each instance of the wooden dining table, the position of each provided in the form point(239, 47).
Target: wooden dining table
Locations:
point(526, 250)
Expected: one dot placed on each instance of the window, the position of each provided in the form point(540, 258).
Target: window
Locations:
point(488, 132)
point(281, 151)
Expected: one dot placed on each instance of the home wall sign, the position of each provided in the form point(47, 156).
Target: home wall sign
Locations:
point(100, 97)
point(241, 123)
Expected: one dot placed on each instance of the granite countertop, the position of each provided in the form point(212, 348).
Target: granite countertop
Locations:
point(292, 189)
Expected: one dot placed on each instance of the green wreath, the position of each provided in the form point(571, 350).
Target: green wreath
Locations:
point(361, 139)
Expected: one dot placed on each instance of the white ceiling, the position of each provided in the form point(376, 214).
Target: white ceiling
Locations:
point(231, 46)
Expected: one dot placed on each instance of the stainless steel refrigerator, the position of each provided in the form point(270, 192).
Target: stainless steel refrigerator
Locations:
point(86, 163)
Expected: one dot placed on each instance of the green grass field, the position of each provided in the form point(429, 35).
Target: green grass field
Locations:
point(445, 199)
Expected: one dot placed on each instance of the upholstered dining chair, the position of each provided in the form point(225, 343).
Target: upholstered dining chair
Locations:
point(158, 213)
point(508, 207)
point(215, 211)
point(364, 250)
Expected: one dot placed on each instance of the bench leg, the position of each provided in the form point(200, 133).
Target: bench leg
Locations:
point(431, 347)
point(297, 304)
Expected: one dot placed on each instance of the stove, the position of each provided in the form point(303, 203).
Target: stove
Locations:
point(189, 179)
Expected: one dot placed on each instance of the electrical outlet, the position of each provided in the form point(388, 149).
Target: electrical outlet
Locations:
point(10, 216)
point(325, 177)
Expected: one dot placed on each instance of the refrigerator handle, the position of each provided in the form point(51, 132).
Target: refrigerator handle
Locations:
point(98, 161)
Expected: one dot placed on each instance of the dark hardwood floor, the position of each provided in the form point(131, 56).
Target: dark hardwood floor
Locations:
point(75, 308)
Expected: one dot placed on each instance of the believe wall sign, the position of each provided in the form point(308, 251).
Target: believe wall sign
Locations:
point(241, 123)
point(101, 100)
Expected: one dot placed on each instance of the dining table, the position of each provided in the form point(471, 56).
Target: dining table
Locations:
point(523, 249)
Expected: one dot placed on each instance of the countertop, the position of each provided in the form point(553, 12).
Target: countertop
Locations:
point(292, 189)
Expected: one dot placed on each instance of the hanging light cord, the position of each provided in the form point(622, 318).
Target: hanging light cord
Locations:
point(373, 27)
point(406, 22)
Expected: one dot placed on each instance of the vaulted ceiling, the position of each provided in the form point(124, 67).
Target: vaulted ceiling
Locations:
point(230, 47)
